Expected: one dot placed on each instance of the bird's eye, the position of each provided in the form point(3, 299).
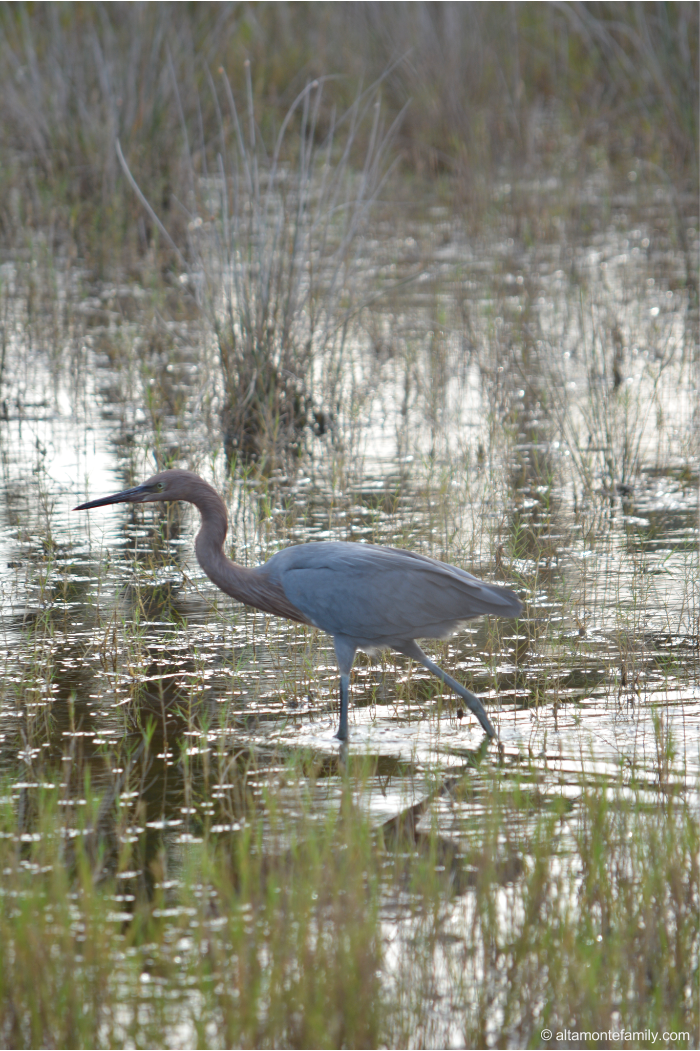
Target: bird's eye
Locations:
point(160, 486)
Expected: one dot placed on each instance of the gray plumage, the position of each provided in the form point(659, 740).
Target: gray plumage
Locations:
point(367, 597)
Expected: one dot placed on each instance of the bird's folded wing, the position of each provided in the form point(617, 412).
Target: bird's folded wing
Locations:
point(379, 593)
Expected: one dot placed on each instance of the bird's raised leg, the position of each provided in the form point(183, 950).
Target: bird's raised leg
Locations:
point(345, 655)
point(413, 650)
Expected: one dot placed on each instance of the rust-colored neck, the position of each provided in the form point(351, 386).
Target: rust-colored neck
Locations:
point(245, 585)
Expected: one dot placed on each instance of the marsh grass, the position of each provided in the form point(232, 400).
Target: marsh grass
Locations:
point(276, 244)
point(328, 932)
point(491, 87)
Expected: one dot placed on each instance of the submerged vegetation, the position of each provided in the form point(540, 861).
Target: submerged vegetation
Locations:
point(420, 275)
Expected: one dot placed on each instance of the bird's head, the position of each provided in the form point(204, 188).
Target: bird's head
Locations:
point(168, 485)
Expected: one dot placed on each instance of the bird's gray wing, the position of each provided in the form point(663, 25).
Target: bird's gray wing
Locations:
point(373, 593)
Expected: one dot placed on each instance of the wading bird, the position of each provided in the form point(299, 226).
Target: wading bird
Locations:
point(367, 597)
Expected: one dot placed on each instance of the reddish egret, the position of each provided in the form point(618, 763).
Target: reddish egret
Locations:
point(367, 597)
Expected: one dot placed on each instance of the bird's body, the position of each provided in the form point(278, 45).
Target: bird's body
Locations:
point(367, 597)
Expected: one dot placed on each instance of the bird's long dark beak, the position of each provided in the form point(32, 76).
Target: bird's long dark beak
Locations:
point(128, 496)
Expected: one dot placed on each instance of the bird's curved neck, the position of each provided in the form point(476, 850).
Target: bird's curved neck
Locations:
point(247, 585)
point(209, 543)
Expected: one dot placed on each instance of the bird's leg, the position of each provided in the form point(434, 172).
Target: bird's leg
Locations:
point(345, 655)
point(342, 733)
point(412, 649)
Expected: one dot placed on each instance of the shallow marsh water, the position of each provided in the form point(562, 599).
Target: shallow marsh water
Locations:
point(529, 413)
